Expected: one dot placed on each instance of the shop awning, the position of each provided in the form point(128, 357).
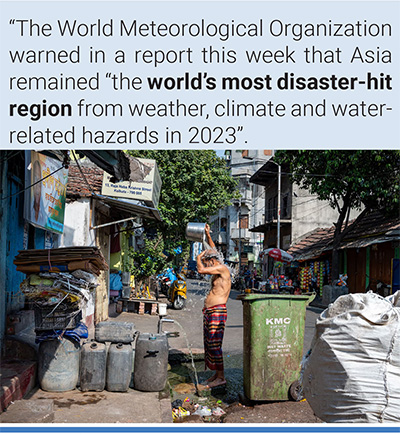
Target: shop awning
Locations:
point(128, 207)
point(260, 228)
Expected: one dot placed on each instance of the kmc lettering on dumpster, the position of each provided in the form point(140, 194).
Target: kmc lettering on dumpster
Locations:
point(278, 321)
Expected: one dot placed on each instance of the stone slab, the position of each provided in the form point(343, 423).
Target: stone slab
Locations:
point(29, 411)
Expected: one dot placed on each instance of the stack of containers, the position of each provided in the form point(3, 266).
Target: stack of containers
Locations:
point(107, 361)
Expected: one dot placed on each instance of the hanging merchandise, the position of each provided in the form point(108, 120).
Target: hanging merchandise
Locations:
point(321, 277)
point(305, 278)
point(328, 271)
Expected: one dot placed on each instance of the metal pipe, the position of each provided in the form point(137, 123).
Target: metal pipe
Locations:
point(116, 222)
point(162, 320)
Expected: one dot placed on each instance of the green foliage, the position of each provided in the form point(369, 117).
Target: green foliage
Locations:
point(195, 185)
point(358, 178)
point(149, 260)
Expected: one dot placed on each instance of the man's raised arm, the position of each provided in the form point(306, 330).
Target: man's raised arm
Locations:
point(208, 236)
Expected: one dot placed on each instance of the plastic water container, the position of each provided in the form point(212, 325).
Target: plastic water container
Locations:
point(58, 365)
point(115, 332)
point(151, 362)
point(93, 366)
point(119, 367)
point(162, 309)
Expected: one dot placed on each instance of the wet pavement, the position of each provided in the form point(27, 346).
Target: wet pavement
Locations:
point(231, 399)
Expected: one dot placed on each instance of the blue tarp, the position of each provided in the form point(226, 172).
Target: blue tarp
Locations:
point(76, 334)
point(115, 281)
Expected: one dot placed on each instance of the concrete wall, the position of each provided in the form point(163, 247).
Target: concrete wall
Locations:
point(308, 213)
point(103, 290)
point(77, 232)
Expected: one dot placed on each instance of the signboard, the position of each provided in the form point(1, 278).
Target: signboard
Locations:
point(45, 199)
point(145, 185)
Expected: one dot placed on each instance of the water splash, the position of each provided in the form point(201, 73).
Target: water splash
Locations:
point(219, 256)
point(196, 378)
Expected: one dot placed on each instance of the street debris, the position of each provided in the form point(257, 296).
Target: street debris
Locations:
point(352, 372)
point(187, 407)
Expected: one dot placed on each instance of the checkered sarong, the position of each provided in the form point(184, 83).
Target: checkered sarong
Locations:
point(214, 319)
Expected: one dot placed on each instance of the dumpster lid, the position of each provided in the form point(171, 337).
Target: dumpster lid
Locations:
point(250, 297)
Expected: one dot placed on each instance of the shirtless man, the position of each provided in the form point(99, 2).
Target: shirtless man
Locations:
point(214, 311)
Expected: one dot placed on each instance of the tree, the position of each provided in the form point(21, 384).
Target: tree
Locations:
point(148, 261)
point(195, 184)
point(361, 179)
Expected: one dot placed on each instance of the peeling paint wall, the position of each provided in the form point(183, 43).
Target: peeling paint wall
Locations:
point(77, 232)
point(77, 224)
point(103, 290)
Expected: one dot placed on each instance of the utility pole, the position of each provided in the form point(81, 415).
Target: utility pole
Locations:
point(240, 234)
point(278, 237)
point(278, 242)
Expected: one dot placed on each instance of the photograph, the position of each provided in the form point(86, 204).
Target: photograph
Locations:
point(200, 286)
point(199, 216)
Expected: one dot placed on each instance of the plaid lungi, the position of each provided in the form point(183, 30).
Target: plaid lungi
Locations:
point(214, 319)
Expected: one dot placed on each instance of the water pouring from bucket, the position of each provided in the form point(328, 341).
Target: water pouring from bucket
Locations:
point(195, 232)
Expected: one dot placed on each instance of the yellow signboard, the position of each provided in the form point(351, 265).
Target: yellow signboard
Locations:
point(145, 184)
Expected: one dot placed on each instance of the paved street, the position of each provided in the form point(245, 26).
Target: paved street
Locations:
point(189, 323)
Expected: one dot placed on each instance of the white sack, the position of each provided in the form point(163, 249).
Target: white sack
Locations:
point(353, 371)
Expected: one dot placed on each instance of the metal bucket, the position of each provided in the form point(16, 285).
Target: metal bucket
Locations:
point(195, 231)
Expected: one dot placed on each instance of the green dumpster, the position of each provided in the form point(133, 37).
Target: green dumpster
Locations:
point(273, 335)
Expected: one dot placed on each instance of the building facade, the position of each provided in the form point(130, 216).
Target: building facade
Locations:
point(300, 212)
point(231, 225)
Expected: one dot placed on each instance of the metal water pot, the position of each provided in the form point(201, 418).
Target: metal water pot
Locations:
point(195, 231)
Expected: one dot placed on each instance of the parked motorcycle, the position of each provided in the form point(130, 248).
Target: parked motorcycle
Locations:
point(177, 292)
point(165, 279)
